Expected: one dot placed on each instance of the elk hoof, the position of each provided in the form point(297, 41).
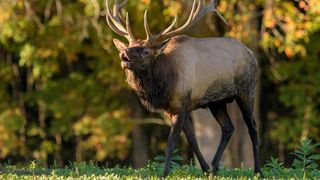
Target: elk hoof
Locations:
point(258, 173)
point(215, 171)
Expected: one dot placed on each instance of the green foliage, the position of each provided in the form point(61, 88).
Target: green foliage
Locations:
point(305, 158)
point(59, 83)
point(298, 86)
point(304, 165)
point(152, 171)
point(174, 159)
point(275, 165)
point(81, 170)
point(287, 26)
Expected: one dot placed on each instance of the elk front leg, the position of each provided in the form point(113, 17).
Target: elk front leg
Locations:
point(176, 129)
point(189, 132)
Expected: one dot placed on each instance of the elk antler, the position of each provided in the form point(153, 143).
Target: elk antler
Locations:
point(116, 21)
point(195, 15)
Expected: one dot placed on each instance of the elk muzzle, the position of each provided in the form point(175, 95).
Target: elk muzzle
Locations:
point(126, 63)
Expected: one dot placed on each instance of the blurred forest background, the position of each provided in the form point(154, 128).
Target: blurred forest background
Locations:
point(63, 96)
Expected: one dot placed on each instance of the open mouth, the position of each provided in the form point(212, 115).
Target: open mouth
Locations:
point(124, 58)
point(125, 61)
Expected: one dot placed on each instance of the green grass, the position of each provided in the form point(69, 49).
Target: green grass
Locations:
point(305, 166)
point(151, 171)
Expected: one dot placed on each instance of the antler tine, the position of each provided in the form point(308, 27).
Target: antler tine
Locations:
point(201, 11)
point(183, 27)
point(114, 28)
point(128, 26)
point(123, 3)
point(171, 26)
point(162, 36)
point(112, 23)
point(115, 20)
point(218, 13)
point(117, 9)
point(146, 26)
point(151, 37)
point(197, 12)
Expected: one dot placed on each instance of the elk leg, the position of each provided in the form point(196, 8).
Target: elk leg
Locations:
point(175, 132)
point(221, 115)
point(246, 107)
point(189, 132)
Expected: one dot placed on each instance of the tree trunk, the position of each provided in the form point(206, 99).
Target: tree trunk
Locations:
point(140, 147)
point(139, 139)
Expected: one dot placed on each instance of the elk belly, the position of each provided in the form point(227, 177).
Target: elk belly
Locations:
point(213, 78)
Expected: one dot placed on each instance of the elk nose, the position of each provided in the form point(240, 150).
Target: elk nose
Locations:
point(128, 51)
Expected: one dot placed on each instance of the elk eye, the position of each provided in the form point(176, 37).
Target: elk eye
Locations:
point(145, 53)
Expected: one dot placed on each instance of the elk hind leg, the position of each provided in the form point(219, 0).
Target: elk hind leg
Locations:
point(221, 115)
point(246, 106)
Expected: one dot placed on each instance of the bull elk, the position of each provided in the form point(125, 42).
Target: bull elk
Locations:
point(176, 74)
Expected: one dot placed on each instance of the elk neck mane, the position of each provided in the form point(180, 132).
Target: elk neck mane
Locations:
point(154, 84)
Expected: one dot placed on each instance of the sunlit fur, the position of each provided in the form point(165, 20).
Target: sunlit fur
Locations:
point(212, 69)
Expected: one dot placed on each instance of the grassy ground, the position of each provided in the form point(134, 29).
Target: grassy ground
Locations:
point(152, 171)
point(304, 166)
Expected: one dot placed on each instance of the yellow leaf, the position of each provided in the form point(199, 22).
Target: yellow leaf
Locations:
point(289, 52)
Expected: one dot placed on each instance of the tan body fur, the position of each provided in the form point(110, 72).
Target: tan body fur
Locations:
point(210, 68)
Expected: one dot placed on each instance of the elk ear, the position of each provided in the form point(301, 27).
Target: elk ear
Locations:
point(120, 45)
point(161, 47)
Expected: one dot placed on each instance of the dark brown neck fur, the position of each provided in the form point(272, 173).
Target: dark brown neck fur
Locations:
point(155, 84)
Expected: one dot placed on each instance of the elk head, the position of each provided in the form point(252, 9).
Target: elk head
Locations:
point(141, 53)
